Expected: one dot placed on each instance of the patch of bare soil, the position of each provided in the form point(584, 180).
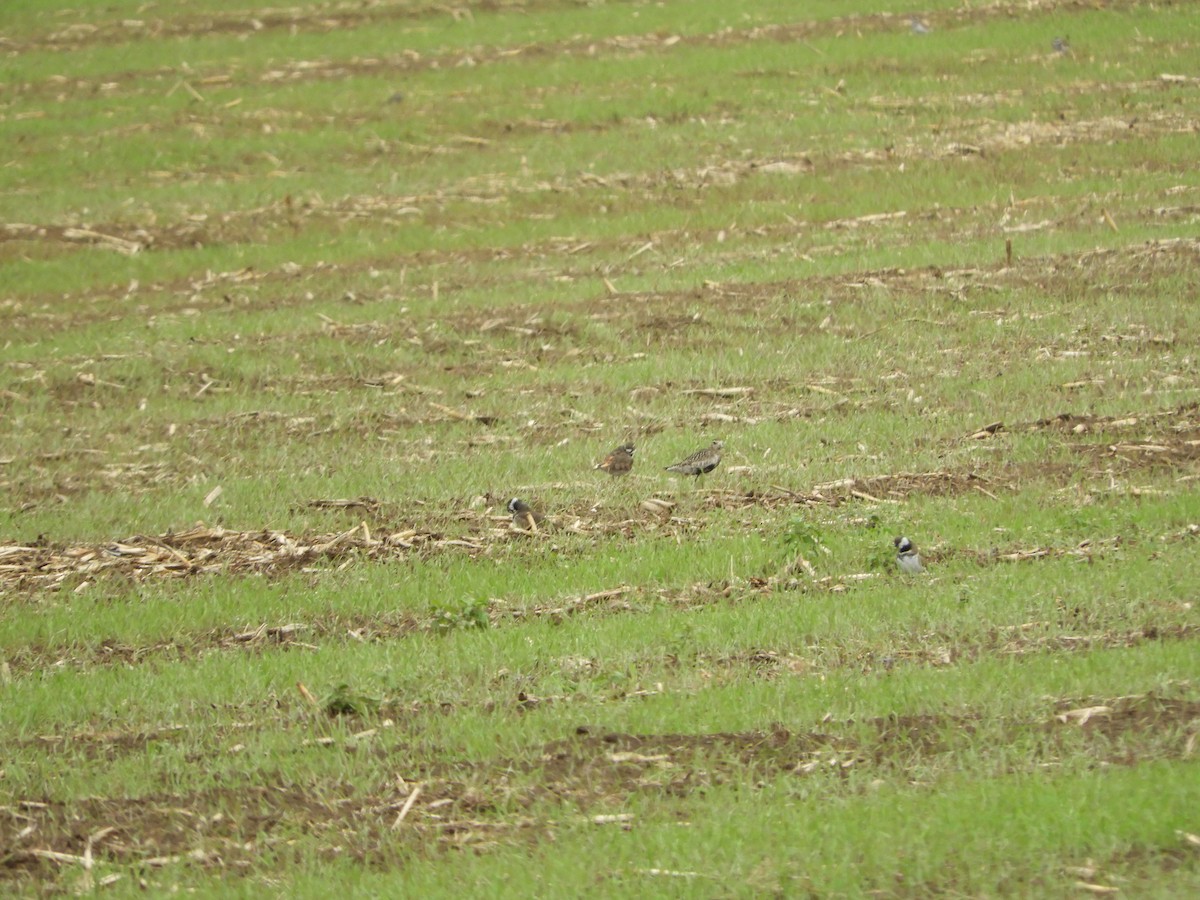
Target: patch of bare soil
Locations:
point(257, 639)
point(1173, 421)
point(458, 806)
point(936, 651)
point(124, 239)
point(1166, 452)
point(1168, 439)
point(222, 829)
point(594, 763)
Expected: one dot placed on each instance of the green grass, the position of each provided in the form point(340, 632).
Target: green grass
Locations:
point(425, 260)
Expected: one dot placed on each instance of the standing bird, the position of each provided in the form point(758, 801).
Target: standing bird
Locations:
point(619, 462)
point(524, 516)
point(907, 556)
point(918, 26)
point(700, 462)
point(1060, 45)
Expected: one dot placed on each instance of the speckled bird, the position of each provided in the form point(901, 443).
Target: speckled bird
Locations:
point(701, 462)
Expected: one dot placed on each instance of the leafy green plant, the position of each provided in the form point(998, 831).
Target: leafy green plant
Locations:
point(802, 540)
point(345, 701)
point(466, 613)
point(881, 556)
point(802, 536)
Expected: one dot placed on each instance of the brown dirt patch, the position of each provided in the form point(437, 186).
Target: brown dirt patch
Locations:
point(464, 804)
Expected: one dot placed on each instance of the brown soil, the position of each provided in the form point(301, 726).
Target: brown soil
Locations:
point(480, 804)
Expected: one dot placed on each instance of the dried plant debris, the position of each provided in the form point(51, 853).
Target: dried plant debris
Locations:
point(200, 550)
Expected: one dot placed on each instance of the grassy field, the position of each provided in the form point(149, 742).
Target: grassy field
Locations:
point(293, 300)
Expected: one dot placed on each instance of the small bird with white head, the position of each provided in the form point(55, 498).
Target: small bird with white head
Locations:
point(907, 556)
point(524, 516)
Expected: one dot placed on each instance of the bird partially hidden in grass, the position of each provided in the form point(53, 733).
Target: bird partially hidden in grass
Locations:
point(619, 462)
point(701, 462)
point(918, 26)
point(1060, 45)
point(907, 556)
point(524, 516)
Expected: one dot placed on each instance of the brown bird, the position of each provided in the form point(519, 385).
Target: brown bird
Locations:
point(524, 516)
point(700, 462)
point(619, 462)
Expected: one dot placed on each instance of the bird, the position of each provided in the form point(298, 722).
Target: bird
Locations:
point(700, 462)
point(1060, 45)
point(619, 462)
point(918, 27)
point(907, 556)
point(524, 516)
